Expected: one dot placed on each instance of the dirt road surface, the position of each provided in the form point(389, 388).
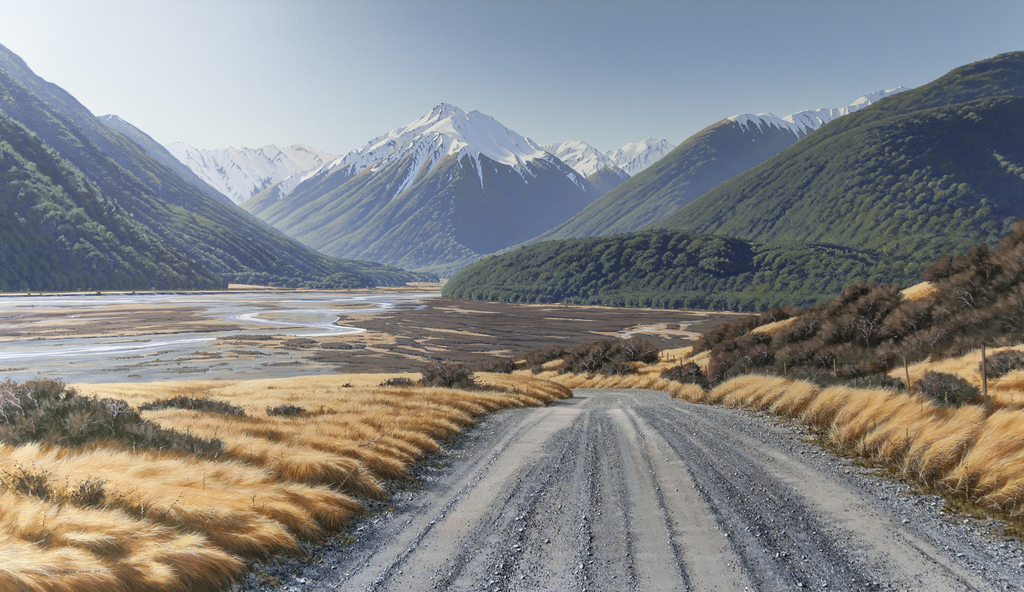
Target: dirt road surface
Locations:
point(631, 490)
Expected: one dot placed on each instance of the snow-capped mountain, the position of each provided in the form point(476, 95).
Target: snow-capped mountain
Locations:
point(802, 123)
point(711, 156)
point(630, 159)
point(637, 156)
point(445, 130)
point(240, 173)
point(589, 162)
point(437, 193)
point(581, 156)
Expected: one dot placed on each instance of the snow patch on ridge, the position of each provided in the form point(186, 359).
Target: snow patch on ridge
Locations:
point(802, 123)
point(445, 130)
point(637, 156)
point(240, 173)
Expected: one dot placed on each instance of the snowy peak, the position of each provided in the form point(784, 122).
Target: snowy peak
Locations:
point(626, 161)
point(445, 130)
point(240, 173)
point(802, 123)
point(582, 157)
point(637, 156)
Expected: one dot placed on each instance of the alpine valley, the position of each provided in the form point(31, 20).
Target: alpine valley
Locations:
point(86, 205)
point(876, 194)
point(443, 191)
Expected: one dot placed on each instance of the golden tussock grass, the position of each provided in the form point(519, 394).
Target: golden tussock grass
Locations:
point(919, 291)
point(1005, 392)
point(60, 547)
point(648, 379)
point(170, 522)
point(973, 453)
point(772, 328)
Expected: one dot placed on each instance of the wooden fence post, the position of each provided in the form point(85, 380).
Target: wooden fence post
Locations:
point(906, 370)
point(984, 374)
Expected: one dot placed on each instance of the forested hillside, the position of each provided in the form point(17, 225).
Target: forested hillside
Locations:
point(214, 234)
point(59, 232)
point(931, 171)
point(707, 158)
point(670, 269)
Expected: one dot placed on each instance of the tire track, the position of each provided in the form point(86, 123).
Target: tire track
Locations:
point(630, 490)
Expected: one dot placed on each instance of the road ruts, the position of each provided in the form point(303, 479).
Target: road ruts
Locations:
point(631, 490)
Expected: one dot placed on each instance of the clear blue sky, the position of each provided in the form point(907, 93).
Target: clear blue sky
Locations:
point(333, 74)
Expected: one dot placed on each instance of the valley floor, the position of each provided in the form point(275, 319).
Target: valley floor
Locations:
point(632, 490)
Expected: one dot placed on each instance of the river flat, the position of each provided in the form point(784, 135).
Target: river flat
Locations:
point(271, 334)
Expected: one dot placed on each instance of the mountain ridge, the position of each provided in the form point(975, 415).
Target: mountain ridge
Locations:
point(477, 184)
point(214, 234)
point(718, 152)
point(925, 172)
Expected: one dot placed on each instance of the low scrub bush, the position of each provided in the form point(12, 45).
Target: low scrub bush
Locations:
point(688, 373)
point(610, 356)
point(1003, 362)
point(498, 366)
point(29, 482)
point(536, 359)
point(285, 410)
point(49, 412)
point(194, 404)
point(400, 381)
point(946, 389)
point(39, 483)
point(447, 374)
point(636, 349)
point(90, 493)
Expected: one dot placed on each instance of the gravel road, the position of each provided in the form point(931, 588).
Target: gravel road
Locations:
point(631, 490)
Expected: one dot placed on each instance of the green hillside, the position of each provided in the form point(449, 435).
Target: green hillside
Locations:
point(670, 269)
point(704, 160)
point(930, 171)
point(157, 151)
point(59, 232)
point(216, 235)
point(607, 179)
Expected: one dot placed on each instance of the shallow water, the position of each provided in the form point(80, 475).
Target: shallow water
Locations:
point(194, 354)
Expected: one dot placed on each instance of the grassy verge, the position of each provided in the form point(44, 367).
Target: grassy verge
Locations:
point(972, 455)
point(109, 515)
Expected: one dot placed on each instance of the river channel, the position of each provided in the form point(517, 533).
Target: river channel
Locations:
point(175, 336)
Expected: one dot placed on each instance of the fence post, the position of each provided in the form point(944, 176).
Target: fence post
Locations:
point(984, 374)
point(906, 370)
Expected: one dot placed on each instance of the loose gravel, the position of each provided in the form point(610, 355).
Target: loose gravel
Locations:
point(632, 490)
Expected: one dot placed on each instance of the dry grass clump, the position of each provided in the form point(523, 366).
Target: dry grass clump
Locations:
point(58, 547)
point(1005, 390)
point(919, 291)
point(105, 516)
point(972, 453)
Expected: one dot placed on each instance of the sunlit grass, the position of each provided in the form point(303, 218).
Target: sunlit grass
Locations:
point(173, 522)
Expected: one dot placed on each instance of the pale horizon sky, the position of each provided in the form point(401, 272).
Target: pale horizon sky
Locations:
point(334, 74)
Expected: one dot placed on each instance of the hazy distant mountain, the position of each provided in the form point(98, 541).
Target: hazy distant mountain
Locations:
point(637, 156)
point(588, 161)
point(241, 173)
point(212, 234)
point(712, 155)
point(435, 194)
